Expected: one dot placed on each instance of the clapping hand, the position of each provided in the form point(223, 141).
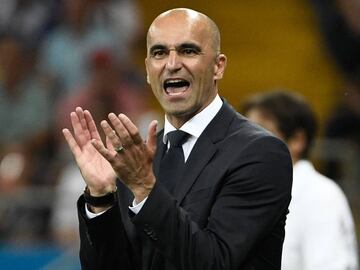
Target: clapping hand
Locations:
point(125, 155)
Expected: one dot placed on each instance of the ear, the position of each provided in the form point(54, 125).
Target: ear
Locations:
point(147, 72)
point(220, 66)
point(297, 144)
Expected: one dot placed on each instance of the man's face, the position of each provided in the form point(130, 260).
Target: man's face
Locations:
point(182, 65)
point(259, 116)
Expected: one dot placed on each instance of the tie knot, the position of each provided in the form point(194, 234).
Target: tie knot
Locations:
point(177, 137)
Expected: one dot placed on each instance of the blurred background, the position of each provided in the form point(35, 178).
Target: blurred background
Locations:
point(59, 54)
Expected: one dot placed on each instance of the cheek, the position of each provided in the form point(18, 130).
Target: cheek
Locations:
point(206, 80)
point(150, 70)
point(153, 80)
point(155, 66)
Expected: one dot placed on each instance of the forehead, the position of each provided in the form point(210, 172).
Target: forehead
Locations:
point(175, 29)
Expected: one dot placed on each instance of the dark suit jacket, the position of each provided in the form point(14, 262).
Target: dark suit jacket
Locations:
point(228, 210)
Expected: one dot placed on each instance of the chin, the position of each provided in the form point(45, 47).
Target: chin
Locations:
point(182, 113)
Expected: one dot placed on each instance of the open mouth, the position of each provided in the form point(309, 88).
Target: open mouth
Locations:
point(175, 87)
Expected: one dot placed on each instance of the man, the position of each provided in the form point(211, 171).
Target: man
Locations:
point(320, 229)
point(225, 203)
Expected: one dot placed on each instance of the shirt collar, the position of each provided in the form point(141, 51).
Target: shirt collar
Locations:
point(196, 125)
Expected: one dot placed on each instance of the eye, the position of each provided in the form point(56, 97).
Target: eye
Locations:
point(159, 53)
point(188, 52)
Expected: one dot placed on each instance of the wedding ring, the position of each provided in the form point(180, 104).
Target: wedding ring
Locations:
point(119, 149)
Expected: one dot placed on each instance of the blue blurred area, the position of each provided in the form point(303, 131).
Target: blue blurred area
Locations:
point(33, 258)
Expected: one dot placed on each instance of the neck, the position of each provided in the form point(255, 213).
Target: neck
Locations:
point(177, 122)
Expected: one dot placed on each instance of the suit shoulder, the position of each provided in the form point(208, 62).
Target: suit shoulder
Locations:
point(250, 134)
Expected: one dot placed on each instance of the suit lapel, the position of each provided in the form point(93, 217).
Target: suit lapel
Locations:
point(204, 149)
point(200, 155)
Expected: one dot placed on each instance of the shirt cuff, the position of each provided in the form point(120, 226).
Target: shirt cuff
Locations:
point(135, 208)
point(91, 215)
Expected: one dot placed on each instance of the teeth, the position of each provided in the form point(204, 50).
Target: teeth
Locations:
point(174, 81)
point(174, 87)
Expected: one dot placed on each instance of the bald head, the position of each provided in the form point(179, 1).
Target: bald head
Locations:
point(188, 18)
point(184, 62)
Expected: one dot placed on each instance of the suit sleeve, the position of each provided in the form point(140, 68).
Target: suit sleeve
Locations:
point(252, 199)
point(104, 243)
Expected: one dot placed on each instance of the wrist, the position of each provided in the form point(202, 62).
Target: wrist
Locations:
point(140, 197)
point(141, 193)
point(100, 191)
point(103, 201)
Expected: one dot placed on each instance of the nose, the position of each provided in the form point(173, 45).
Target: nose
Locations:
point(174, 61)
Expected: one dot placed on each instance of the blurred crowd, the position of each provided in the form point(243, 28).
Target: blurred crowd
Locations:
point(56, 55)
point(339, 23)
point(59, 54)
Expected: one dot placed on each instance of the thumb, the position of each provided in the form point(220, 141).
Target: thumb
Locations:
point(151, 137)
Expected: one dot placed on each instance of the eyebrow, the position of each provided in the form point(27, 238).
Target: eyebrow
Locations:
point(187, 45)
point(157, 47)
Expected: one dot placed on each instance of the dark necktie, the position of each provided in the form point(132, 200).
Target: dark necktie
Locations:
point(173, 162)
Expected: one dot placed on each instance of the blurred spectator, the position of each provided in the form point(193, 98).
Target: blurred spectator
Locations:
point(30, 19)
point(65, 52)
point(340, 23)
point(319, 230)
point(124, 18)
point(24, 101)
point(24, 119)
point(343, 129)
point(64, 221)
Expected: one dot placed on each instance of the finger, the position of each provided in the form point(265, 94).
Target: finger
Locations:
point(106, 153)
point(74, 147)
point(110, 134)
point(94, 133)
point(131, 128)
point(78, 131)
point(109, 144)
point(151, 137)
point(109, 155)
point(122, 132)
point(80, 113)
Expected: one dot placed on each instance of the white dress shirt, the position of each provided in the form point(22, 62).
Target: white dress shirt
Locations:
point(194, 126)
point(319, 229)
